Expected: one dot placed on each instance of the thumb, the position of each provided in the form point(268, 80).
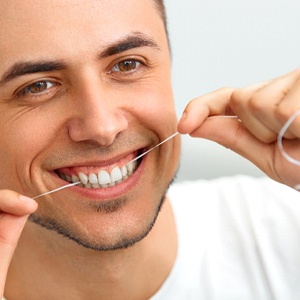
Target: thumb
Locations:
point(14, 225)
point(14, 211)
point(232, 134)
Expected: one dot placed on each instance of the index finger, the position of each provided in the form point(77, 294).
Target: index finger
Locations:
point(197, 110)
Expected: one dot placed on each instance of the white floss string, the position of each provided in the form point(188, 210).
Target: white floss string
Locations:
point(280, 144)
point(58, 189)
point(136, 158)
point(168, 138)
point(280, 137)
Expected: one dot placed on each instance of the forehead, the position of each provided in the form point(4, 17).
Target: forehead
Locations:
point(25, 12)
point(33, 27)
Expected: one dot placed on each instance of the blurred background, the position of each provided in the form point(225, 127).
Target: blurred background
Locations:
point(234, 43)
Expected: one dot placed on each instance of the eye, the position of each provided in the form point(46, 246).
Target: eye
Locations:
point(125, 66)
point(38, 87)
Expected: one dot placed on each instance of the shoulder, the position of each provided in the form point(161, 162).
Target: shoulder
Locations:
point(239, 228)
point(234, 198)
point(233, 189)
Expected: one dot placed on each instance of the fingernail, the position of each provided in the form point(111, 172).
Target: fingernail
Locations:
point(183, 117)
point(24, 198)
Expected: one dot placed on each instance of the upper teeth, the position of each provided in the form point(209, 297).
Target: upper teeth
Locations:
point(103, 178)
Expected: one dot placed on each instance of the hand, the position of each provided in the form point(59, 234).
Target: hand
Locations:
point(262, 110)
point(14, 211)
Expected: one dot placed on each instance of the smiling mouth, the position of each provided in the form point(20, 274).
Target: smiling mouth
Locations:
point(104, 177)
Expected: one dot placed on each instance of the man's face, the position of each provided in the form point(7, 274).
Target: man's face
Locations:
point(84, 88)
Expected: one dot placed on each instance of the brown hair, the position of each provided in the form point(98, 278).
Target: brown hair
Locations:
point(162, 11)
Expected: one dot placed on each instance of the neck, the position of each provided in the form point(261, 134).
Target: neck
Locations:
point(54, 266)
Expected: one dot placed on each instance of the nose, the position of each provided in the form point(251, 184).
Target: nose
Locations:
point(96, 116)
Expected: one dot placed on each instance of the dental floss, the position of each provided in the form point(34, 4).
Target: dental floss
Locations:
point(136, 158)
point(280, 137)
point(58, 189)
point(75, 183)
point(173, 135)
point(280, 144)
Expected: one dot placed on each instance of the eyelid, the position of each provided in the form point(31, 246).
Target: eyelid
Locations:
point(21, 96)
point(133, 60)
point(139, 59)
point(21, 90)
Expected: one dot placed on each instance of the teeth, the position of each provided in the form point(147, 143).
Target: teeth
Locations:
point(93, 178)
point(124, 171)
point(88, 186)
point(63, 176)
point(83, 178)
point(103, 179)
point(75, 178)
point(115, 174)
point(131, 167)
point(69, 178)
point(96, 186)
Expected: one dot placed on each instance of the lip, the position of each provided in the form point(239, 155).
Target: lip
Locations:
point(109, 193)
point(95, 162)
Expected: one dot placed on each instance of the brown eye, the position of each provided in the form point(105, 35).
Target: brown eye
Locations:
point(125, 66)
point(37, 87)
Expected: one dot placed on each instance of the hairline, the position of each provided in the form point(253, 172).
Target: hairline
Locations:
point(160, 6)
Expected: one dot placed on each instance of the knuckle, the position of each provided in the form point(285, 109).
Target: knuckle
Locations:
point(255, 103)
point(266, 137)
point(225, 89)
point(297, 72)
point(236, 97)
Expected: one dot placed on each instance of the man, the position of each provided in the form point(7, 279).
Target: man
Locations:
point(85, 87)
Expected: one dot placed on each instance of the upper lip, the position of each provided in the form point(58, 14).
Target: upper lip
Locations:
point(95, 162)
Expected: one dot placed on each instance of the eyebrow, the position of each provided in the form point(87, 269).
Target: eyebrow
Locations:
point(127, 43)
point(23, 68)
point(30, 67)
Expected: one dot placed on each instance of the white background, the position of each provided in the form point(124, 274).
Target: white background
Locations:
point(217, 43)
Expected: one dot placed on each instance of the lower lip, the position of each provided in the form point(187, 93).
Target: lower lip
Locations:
point(110, 193)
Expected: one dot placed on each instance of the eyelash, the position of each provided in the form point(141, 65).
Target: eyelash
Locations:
point(28, 96)
point(138, 67)
point(26, 90)
point(136, 64)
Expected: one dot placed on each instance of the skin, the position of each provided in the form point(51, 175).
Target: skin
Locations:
point(88, 117)
point(91, 115)
point(262, 110)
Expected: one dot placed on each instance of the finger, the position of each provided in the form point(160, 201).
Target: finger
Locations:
point(13, 209)
point(212, 104)
point(241, 105)
point(232, 134)
point(16, 204)
point(259, 112)
point(215, 103)
point(13, 225)
point(13, 215)
point(288, 106)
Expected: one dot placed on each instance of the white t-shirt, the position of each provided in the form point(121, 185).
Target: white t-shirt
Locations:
point(239, 239)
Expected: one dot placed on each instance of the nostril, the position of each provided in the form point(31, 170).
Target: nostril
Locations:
point(102, 130)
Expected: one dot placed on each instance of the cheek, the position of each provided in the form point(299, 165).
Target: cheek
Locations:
point(27, 133)
point(155, 111)
point(24, 134)
point(154, 108)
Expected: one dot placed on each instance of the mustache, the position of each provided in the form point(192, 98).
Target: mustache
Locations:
point(92, 149)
